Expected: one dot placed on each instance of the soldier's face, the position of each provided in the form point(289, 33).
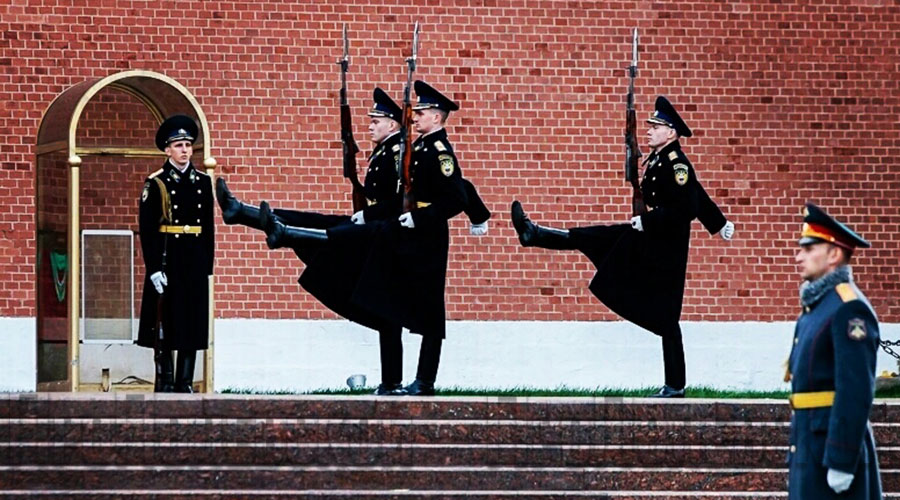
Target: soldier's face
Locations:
point(426, 120)
point(180, 151)
point(381, 127)
point(659, 135)
point(818, 259)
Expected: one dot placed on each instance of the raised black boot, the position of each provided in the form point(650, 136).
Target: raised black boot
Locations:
point(184, 376)
point(233, 211)
point(165, 378)
point(279, 235)
point(533, 235)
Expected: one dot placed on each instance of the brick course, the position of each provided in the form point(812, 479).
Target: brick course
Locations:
point(790, 101)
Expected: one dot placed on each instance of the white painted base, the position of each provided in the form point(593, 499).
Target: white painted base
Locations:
point(18, 354)
point(305, 355)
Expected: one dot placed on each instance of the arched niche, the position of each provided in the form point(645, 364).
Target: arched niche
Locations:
point(128, 106)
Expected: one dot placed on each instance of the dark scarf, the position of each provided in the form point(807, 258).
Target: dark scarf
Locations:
point(813, 291)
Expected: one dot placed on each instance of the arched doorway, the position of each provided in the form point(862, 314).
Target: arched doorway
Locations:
point(94, 148)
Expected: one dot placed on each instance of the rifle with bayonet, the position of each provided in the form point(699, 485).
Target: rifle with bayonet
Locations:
point(405, 132)
point(348, 143)
point(632, 151)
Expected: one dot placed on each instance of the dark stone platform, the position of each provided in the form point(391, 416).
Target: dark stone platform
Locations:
point(323, 447)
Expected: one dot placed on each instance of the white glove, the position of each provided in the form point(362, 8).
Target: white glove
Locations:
point(406, 220)
point(637, 224)
point(159, 280)
point(727, 230)
point(839, 481)
point(358, 218)
point(478, 229)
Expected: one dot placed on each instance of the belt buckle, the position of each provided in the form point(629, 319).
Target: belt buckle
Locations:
point(187, 229)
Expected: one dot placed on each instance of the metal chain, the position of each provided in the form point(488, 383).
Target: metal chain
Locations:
point(887, 344)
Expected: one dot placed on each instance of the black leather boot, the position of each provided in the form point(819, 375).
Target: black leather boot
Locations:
point(184, 376)
point(165, 378)
point(390, 390)
point(279, 235)
point(419, 388)
point(233, 211)
point(532, 235)
point(668, 392)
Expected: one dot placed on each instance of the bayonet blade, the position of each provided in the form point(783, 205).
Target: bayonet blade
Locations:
point(415, 46)
point(346, 46)
point(634, 51)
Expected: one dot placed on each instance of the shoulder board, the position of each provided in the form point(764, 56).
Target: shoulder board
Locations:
point(673, 155)
point(154, 174)
point(395, 148)
point(440, 146)
point(846, 292)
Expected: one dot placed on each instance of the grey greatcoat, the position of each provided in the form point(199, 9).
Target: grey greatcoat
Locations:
point(835, 343)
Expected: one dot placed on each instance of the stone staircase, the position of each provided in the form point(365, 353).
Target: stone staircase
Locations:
point(145, 446)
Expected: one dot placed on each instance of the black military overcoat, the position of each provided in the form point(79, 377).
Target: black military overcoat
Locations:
point(188, 262)
point(640, 275)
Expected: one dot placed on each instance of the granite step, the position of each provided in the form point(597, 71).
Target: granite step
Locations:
point(405, 431)
point(267, 430)
point(180, 494)
point(202, 477)
point(398, 478)
point(403, 454)
point(120, 405)
point(393, 495)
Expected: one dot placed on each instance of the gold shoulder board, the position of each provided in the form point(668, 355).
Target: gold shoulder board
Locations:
point(440, 146)
point(846, 292)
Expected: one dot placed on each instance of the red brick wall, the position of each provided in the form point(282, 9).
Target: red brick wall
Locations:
point(789, 101)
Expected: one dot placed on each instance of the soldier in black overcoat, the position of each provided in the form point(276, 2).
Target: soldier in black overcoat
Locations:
point(832, 370)
point(335, 265)
point(177, 244)
point(641, 266)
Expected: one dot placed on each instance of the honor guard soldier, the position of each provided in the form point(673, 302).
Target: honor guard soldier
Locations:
point(177, 243)
point(641, 266)
point(439, 191)
point(334, 247)
point(832, 370)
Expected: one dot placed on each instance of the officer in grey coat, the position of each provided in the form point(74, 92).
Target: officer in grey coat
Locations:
point(832, 370)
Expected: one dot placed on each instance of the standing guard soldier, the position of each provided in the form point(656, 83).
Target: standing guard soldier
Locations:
point(641, 266)
point(177, 243)
point(832, 370)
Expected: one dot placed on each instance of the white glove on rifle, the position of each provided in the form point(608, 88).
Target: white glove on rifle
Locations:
point(637, 224)
point(159, 280)
point(727, 230)
point(478, 229)
point(358, 218)
point(838, 480)
point(406, 220)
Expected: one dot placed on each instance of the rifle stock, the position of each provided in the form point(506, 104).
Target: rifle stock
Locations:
point(348, 144)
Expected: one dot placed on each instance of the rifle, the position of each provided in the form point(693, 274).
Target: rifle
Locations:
point(632, 151)
point(348, 143)
point(405, 136)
